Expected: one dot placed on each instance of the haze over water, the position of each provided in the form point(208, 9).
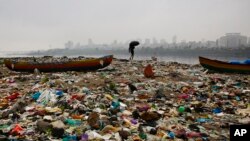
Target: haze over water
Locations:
point(49, 24)
point(167, 58)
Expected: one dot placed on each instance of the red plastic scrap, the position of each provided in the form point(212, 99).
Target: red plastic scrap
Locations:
point(13, 96)
point(17, 129)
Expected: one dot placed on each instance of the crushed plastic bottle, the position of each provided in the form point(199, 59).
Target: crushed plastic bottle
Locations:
point(203, 120)
point(115, 104)
point(36, 95)
point(73, 122)
point(217, 110)
point(171, 135)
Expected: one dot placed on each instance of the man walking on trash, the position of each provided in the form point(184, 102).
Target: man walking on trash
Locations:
point(131, 48)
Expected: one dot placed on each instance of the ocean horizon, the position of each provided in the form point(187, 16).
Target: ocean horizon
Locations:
point(167, 58)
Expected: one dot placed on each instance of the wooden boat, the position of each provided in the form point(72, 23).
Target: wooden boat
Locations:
point(221, 66)
point(74, 65)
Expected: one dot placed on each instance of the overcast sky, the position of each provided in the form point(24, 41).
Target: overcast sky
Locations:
point(38, 24)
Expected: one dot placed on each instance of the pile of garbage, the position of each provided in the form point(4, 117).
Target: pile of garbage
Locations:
point(44, 59)
point(143, 100)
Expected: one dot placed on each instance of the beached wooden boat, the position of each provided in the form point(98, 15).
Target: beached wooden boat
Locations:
point(221, 66)
point(73, 65)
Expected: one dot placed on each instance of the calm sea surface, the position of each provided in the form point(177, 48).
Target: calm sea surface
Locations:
point(180, 59)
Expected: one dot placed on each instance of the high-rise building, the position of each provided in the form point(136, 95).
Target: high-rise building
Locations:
point(154, 41)
point(211, 44)
point(147, 42)
point(163, 42)
point(183, 43)
point(90, 42)
point(114, 42)
point(174, 40)
point(69, 44)
point(232, 40)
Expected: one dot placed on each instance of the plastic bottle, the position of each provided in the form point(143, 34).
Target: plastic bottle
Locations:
point(183, 96)
point(143, 135)
point(70, 138)
point(86, 90)
point(36, 95)
point(202, 120)
point(237, 98)
point(84, 137)
point(133, 121)
point(217, 110)
point(73, 122)
point(115, 104)
point(181, 109)
point(59, 92)
point(171, 135)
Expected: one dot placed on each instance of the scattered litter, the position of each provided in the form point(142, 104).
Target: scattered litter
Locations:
point(164, 101)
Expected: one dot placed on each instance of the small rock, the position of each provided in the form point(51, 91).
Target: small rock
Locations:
point(150, 116)
point(132, 88)
point(93, 120)
point(58, 124)
point(124, 134)
point(57, 132)
point(135, 114)
point(43, 126)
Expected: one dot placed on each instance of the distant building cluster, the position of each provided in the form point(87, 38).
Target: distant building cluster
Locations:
point(237, 45)
point(232, 40)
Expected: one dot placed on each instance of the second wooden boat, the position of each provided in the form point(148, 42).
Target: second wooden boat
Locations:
point(221, 66)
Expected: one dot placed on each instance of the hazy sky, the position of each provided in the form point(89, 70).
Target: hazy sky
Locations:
point(38, 24)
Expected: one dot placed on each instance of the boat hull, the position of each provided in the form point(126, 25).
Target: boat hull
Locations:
point(77, 65)
point(220, 66)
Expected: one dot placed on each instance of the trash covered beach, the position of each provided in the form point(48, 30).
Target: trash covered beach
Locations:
point(122, 102)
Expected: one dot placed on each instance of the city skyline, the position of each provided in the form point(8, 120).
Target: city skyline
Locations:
point(147, 42)
point(45, 24)
point(233, 37)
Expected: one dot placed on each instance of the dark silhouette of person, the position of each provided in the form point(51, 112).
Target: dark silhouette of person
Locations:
point(34, 59)
point(132, 48)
